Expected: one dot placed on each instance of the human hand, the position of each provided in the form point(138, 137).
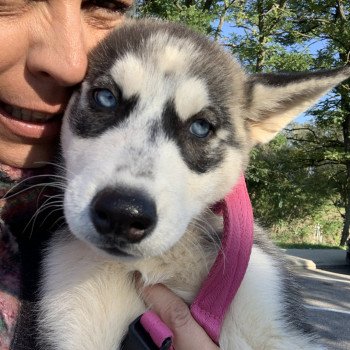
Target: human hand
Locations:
point(188, 334)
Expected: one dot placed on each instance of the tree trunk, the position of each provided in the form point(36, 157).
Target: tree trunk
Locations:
point(346, 194)
point(260, 59)
point(346, 135)
point(346, 226)
point(345, 107)
point(221, 21)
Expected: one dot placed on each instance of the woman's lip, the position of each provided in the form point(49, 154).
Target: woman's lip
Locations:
point(46, 130)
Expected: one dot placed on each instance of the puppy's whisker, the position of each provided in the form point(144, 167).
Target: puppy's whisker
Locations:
point(56, 204)
point(209, 233)
point(21, 183)
point(213, 233)
point(64, 224)
point(57, 165)
point(51, 200)
point(58, 185)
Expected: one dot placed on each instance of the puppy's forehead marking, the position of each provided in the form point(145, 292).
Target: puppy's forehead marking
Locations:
point(191, 97)
point(173, 54)
point(172, 60)
point(129, 73)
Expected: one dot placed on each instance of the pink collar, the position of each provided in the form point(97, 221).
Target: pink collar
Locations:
point(218, 290)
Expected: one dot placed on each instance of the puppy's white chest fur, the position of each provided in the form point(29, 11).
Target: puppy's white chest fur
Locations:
point(96, 300)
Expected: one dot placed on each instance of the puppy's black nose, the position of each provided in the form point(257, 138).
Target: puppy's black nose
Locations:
point(128, 214)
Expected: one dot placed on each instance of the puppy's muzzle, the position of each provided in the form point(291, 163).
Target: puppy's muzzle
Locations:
point(123, 214)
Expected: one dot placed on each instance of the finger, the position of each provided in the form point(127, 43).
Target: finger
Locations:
point(177, 316)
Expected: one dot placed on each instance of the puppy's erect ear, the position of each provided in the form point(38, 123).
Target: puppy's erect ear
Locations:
point(273, 100)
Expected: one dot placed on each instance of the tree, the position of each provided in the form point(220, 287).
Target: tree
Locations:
point(260, 26)
point(271, 37)
point(197, 14)
point(329, 22)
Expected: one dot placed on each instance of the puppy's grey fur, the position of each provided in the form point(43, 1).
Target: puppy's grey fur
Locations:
point(166, 79)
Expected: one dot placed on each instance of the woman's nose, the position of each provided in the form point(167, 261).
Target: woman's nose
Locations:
point(59, 51)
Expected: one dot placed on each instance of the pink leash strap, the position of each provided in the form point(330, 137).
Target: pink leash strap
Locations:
point(156, 328)
point(218, 290)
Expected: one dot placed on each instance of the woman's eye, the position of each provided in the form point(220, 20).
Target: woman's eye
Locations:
point(108, 5)
point(201, 128)
point(104, 98)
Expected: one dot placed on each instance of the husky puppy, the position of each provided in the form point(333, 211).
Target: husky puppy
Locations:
point(161, 129)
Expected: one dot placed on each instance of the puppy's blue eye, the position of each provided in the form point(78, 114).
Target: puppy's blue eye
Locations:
point(104, 98)
point(200, 128)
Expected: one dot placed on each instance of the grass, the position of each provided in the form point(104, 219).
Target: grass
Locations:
point(307, 246)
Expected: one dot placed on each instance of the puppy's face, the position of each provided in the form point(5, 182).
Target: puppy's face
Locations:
point(149, 141)
point(157, 132)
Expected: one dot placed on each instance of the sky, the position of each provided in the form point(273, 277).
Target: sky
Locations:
point(313, 47)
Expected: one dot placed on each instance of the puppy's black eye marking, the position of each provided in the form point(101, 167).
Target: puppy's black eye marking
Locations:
point(102, 107)
point(104, 98)
point(201, 128)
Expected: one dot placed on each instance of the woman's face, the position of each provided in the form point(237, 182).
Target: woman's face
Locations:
point(43, 54)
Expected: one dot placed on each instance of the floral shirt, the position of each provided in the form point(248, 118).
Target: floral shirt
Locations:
point(9, 286)
point(11, 208)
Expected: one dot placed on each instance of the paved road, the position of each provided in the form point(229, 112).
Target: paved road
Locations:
point(327, 297)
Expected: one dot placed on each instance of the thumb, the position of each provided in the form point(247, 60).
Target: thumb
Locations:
point(188, 334)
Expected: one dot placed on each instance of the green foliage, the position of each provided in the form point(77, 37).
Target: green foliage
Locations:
point(283, 186)
point(193, 15)
point(303, 230)
point(260, 41)
point(290, 61)
point(295, 184)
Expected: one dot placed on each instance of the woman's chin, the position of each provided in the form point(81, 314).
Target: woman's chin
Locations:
point(27, 156)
